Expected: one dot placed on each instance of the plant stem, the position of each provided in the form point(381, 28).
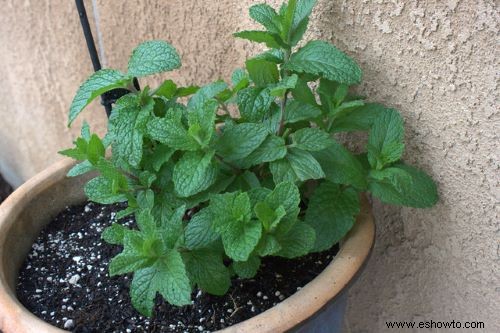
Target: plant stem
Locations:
point(223, 105)
point(285, 97)
point(235, 169)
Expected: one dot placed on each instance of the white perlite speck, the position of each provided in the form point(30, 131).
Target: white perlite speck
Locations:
point(68, 324)
point(74, 279)
point(77, 259)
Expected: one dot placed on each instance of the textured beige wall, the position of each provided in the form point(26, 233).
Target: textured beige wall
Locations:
point(43, 59)
point(436, 61)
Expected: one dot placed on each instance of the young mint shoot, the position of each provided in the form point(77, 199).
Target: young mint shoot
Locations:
point(271, 181)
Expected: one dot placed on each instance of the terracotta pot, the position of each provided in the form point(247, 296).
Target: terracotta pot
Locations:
point(39, 200)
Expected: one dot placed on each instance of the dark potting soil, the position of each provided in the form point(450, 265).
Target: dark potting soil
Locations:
point(5, 189)
point(65, 281)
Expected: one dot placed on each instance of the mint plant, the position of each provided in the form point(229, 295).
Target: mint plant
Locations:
point(213, 192)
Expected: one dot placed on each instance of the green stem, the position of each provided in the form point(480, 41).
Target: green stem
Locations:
point(286, 133)
point(235, 169)
point(285, 97)
point(222, 105)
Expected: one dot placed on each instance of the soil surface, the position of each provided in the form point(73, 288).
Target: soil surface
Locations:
point(5, 189)
point(65, 281)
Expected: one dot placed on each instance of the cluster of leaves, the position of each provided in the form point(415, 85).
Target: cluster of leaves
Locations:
point(213, 192)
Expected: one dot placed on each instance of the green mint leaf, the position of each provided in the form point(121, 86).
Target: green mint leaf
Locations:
point(281, 87)
point(331, 94)
point(133, 257)
point(193, 173)
point(298, 241)
point(271, 149)
point(80, 169)
point(127, 126)
point(85, 132)
point(172, 229)
point(168, 277)
point(342, 167)
point(221, 184)
point(360, 119)
point(113, 174)
point(346, 108)
point(397, 177)
point(171, 132)
point(298, 165)
point(254, 103)
point(267, 16)
point(385, 142)
point(299, 111)
point(323, 59)
point(240, 80)
point(238, 141)
point(331, 213)
point(262, 72)
point(271, 40)
point(100, 190)
point(287, 20)
point(244, 181)
point(282, 171)
point(267, 215)
point(127, 262)
point(158, 157)
point(167, 89)
point(207, 270)
point(231, 214)
point(340, 94)
point(327, 90)
point(229, 208)
point(174, 284)
point(146, 222)
point(268, 245)
point(247, 269)
point(303, 93)
point(199, 232)
point(95, 149)
point(257, 194)
point(403, 185)
point(311, 139)
point(273, 55)
point(201, 121)
point(97, 84)
point(285, 194)
point(238, 75)
point(251, 179)
point(303, 11)
point(241, 239)
point(143, 290)
point(125, 212)
point(153, 57)
point(205, 93)
point(186, 91)
point(79, 152)
point(301, 20)
point(114, 234)
point(272, 119)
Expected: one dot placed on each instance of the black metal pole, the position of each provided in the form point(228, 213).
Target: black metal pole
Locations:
point(91, 46)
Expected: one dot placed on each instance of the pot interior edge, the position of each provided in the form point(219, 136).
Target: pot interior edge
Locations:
point(32, 215)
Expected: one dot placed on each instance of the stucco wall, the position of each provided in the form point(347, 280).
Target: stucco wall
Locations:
point(436, 61)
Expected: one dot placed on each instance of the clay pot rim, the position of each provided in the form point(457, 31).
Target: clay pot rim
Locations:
point(294, 311)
